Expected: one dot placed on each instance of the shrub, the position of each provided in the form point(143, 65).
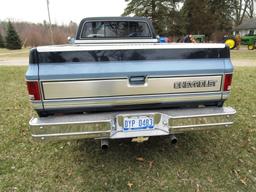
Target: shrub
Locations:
point(12, 38)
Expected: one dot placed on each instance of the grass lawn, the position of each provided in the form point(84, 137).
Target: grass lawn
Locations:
point(221, 160)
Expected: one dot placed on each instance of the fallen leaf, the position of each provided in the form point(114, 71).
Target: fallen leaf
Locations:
point(140, 159)
point(240, 160)
point(236, 173)
point(210, 179)
point(130, 184)
point(197, 187)
point(243, 181)
point(150, 164)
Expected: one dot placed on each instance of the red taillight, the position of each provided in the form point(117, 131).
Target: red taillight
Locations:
point(33, 90)
point(227, 82)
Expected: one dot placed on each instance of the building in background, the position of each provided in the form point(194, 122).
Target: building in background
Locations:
point(248, 26)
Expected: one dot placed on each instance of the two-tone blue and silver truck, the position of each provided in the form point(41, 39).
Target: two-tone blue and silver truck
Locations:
point(117, 81)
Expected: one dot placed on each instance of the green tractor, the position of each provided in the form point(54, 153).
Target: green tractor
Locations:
point(249, 40)
point(199, 38)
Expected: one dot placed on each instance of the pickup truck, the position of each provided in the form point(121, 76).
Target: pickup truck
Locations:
point(117, 81)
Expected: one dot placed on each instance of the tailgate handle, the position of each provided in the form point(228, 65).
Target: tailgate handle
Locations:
point(137, 80)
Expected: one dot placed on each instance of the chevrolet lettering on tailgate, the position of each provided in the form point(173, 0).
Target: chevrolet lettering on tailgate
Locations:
point(192, 84)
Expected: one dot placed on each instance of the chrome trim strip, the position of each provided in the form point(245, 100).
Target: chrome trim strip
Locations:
point(201, 125)
point(127, 100)
point(229, 112)
point(37, 105)
point(124, 77)
point(225, 94)
point(81, 47)
point(69, 134)
point(123, 87)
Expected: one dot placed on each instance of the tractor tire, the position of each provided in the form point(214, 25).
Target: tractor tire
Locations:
point(250, 47)
point(231, 43)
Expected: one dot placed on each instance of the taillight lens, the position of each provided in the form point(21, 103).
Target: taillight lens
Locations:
point(33, 90)
point(227, 82)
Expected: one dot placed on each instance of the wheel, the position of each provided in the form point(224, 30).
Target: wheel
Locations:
point(231, 43)
point(250, 47)
point(43, 114)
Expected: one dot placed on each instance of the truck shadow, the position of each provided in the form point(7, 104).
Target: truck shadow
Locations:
point(156, 162)
point(192, 149)
point(187, 144)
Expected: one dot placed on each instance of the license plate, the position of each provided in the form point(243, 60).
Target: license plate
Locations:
point(133, 123)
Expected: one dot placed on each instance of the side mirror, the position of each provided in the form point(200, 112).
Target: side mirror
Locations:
point(158, 38)
point(71, 40)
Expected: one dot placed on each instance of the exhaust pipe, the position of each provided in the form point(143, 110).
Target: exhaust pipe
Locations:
point(104, 144)
point(174, 139)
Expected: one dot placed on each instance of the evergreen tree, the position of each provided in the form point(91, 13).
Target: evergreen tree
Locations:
point(2, 45)
point(206, 16)
point(12, 38)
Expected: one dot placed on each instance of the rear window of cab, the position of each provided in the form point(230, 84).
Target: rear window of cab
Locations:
point(115, 29)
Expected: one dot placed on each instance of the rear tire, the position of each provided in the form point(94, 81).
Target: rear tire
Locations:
point(250, 47)
point(231, 43)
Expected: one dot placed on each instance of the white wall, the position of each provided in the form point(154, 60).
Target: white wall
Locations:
point(245, 32)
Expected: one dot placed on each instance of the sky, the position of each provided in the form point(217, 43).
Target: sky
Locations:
point(62, 11)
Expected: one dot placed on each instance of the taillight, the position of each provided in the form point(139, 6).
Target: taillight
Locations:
point(33, 90)
point(227, 82)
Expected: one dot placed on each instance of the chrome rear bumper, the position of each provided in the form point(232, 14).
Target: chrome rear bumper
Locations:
point(109, 125)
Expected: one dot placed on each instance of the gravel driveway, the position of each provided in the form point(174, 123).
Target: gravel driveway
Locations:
point(244, 62)
point(14, 61)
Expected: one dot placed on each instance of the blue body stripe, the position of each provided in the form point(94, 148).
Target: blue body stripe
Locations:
point(181, 67)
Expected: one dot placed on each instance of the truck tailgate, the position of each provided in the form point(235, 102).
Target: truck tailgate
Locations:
point(87, 79)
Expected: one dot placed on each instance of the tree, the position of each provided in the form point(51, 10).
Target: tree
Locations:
point(163, 13)
point(198, 20)
point(2, 45)
point(206, 16)
point(220, 11)
point(12, 38)
point(251, 8)
point(242, 9)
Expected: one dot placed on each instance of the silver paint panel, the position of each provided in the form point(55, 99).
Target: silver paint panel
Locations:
point(122, 87)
